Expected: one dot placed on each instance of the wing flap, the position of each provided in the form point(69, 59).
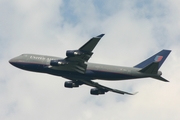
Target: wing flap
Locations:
point(79, 68)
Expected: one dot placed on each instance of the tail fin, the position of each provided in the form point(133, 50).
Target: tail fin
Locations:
point(159, 58)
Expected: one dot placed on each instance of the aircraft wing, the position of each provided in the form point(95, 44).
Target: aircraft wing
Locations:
point(75, 60)
point(85, 52)
point(98, 86)
point(104, 88)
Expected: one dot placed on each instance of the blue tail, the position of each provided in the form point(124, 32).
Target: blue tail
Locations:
point(160, 57)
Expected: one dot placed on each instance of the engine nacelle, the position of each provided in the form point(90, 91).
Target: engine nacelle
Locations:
point(71, 53)
point(70, 84)
point(96, 91)
point(57, 62)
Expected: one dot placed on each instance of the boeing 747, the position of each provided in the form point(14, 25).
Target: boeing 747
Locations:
point(76, 68)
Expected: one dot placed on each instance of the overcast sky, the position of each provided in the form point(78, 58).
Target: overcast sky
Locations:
point(134, 30)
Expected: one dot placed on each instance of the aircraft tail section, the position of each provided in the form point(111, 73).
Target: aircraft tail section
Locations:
point(153, 63)
point(151, 69)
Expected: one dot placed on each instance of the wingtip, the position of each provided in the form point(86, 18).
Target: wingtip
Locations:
point(166, 81)
point(133, 93)
point(100, 36)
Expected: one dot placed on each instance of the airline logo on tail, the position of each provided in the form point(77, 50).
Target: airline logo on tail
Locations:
point(158, 58)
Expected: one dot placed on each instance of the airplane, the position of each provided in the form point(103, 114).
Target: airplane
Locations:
point(75, 67)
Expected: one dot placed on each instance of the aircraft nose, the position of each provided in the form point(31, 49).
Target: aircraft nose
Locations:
point(12, 61)
point(17, 62)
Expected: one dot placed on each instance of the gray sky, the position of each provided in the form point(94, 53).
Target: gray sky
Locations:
point(134, 30)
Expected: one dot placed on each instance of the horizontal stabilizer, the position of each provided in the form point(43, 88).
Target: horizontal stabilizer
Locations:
point(161, 78)
point(151, 68)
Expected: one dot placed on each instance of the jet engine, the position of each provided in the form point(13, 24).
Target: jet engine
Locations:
point(96, 91)
point(71, 53)
point(70, 84)
point(58, 62)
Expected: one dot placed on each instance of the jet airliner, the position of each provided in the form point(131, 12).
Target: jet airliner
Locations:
point(76, 68)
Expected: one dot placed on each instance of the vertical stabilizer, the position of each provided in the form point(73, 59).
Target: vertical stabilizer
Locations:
point(160, 57)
